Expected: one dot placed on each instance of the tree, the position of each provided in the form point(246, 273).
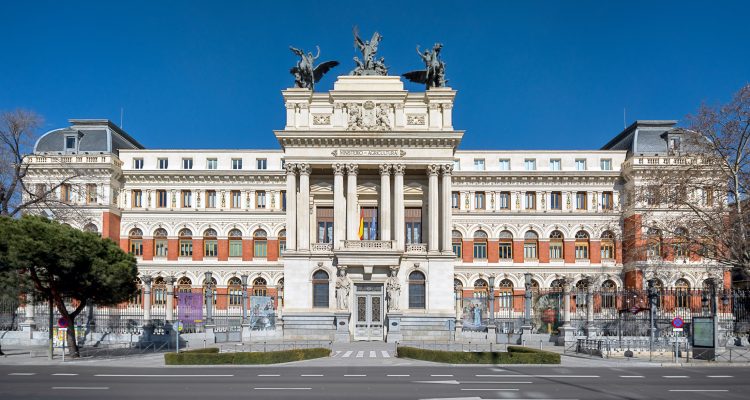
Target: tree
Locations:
point(64, 264)
point(700, 198)
point(18, 132)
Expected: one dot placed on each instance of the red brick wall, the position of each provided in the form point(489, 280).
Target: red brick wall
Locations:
point(618, 251)
point(124, 244)
point(595, 251)
point(247, 249)
point(148, 249)
point(223, 249)
point(518, 251)
point(273, 250)
point(467, 251)
point(493, 252)
point(633, 279)
point(197, 249)
point(110, 225)
point(632, 239)
point(173, 249)
point(543, 251)
point(569, 251)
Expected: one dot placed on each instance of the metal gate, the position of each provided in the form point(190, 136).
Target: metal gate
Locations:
point(368, 312)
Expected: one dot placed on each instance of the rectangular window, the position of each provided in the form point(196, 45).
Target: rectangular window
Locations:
point(161, 198)
point(187, 163)
point(479, 202)
point(480, 250)
point(260, 248)
point(65, 193)
point(607, 250)
point(236, 201)
point(163, 163)
point(555, 201)
point(210, 248)
point(187, 198)
point(260, 199)
point(261, 163)
point(137, 163)
point(186, 248)
point(212, 163)
point(479, 164)
point(607, 201)
point(417, 295)
point(582, 251)
point(283, 200)
point(325, 224)
point(455, 200)
point(504, 164)
point(554, 164)
point(236, 163)
point(530, 164)
point(70, 143)
point(210, 199)
point(580, 164)
point(504, 201)
point(413, 222)
point(160, 247)
point(606, 164)
point(556, 251)
point(91, 197)
point(457, 245)
point(235, 248)
point(708, 196)
point(136, 247)
point(506, 250)
point(136, 199)
point(529, 251)
point(530, 200)
point(674, 145)
point(581, 201)
point(370, 232)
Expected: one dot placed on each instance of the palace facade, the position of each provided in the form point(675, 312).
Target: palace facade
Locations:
point(368, 222)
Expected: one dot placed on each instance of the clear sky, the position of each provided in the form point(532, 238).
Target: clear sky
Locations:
point(529, 74)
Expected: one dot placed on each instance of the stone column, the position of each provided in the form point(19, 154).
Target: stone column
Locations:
point(170, 298)
point(244, 298)
point(385, 202)
point(447, 245)
point(432, 208)
point(303, 211)
point(567, 332)
point(352, 219)
point(146, 299)
point(209, 298)
point(291, 207)
point(398, 205)
point(339, 206)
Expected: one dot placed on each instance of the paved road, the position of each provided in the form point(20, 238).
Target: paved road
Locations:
point(438, 382)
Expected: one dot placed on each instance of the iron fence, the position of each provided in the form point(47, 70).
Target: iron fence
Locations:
point(11, 313)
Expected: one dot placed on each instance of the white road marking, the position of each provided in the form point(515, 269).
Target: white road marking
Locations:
point(347, 354)
point(442, 375)
point(372, 354)
point(311, 375)
point(64, 374)
point(398, 375)
point(360, 354)
point(674, 376)
point(453, 382)
point(698, 390)
point(537, 376)
point(721, 376)
point(631, 376)
point(385, 354)
point(492, 390)
point(269, 375)
point(282, 388)
point(80, 387)
point(336, 354)
point(159, 376)
point(493, 382)
point(353, 375)
point(22, 373)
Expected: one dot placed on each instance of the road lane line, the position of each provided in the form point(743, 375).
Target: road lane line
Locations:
point(721, 376)
point(347, 354)
point(385, 354)
point(80, 387)
point(354, 375)
point(675, 376)
point(282, 388)
point(360, 354)
point(492, 390)
point(159, 376)
point(537, 376)
point(442, 375)
point(398, 375)
point(631, 376)
point(22, 373)
point(492, 382)
point(61, 374)
point(269, 375)
point(698, 390)
point(308, 375)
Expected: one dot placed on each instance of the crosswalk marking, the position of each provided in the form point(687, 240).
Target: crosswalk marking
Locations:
point(385, 354)
point(347, 354)
point(360, 354)
point(372, 354)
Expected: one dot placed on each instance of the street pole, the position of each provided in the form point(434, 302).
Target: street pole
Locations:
point(492, 300)
point(51, 319)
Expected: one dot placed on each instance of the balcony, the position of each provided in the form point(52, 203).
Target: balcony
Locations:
point(369, 245)
point(416, 248)
point(321, 247)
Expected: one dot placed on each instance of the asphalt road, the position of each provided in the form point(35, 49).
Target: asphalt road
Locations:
point(439, 382)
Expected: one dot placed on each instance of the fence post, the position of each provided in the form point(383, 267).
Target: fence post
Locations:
point(170, 298)
point(567, 333)
point(28, 324)
point(526, 328)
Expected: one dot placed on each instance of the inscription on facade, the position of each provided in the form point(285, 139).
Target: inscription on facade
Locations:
point(368, 153)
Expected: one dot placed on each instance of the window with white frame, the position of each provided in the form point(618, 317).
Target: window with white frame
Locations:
point(581, 201)
point(479, 164)
point(212, 163)
point(504, 164)
point(606, 164)
point(187, 163)
point(580, 164)
point(530, 164)
point(261, 163)
point(163, 163)
point(137, 163)
point(260, 199)
point(530, 200)
point(71, 143)
point(479, 201)
point(504, 201)
point(555, 164)
point(236, 163)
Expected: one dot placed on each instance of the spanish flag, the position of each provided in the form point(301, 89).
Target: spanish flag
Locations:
point(361, 224)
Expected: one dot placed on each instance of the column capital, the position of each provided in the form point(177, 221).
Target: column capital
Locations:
point(399, 169)
point(290, 168)
point(171, 280)
point(146, 279)
point(352, 169)
point(338, 169)
point(385, 169)
point(447, 169)
point(304, 169)
point(433, 169)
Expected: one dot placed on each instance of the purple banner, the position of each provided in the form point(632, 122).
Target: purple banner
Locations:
point(190, 308)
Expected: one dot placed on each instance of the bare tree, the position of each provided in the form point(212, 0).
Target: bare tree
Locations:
point(18, 132)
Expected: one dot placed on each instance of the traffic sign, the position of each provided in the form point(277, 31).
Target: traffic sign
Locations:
point(177, 326)
point(62, 322)
point(634, 310)
point(678, 323)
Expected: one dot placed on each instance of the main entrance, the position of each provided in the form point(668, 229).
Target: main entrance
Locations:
point(368, 313)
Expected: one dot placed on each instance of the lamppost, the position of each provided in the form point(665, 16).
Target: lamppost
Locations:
point(209, 299)
point(492, 299)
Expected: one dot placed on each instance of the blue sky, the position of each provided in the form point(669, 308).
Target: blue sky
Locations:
point(529, 74)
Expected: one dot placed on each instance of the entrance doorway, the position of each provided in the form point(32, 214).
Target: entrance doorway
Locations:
point(368, 313)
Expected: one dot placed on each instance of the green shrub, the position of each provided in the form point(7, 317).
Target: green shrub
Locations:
point(515, 355)
point(216, 358)
point(202, 350)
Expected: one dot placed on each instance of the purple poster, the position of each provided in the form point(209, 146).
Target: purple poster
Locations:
point(190, 308)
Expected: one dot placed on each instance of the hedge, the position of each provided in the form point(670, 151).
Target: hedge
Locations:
point(514, 355)
point(211, 356)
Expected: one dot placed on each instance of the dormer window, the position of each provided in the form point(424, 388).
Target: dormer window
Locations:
point(674, 145)
point(71, 143)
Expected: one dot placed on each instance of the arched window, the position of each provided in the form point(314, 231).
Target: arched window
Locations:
point(320, 289)
point(234, 288)
point(260, 287)
point(582, 245)
point(557, 285)
point(135, 242)
point(480, 245)
point(137, 298)
point(556, 246)
point(481, 289)
point(609, 289)
point(159, 291)
point(260, 244)
point(458, 289)
point(653, 243)
point(91, 228)
point(659, 287)
point(235, 243)
point(608, 245)
point(681, 248)
point(210, 243)
point(186, 242)
point(682, 293)
point(505, 246)
point(534, 286)
point(282, 242)
point(505, 293)
point(209, 286)
point(184, 285)
point(457, 243)
point(580, 293)
point(161, 245)
point(530, 245)
point(416, 290)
